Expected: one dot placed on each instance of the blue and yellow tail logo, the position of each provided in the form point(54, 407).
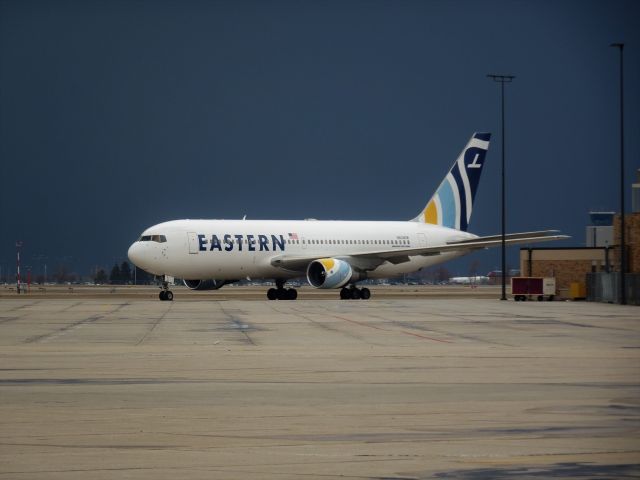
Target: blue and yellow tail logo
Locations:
point(452, 203)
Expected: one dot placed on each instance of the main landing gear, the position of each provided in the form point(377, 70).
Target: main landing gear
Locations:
point(281, 293)
point(355, 293)
point(165, 293)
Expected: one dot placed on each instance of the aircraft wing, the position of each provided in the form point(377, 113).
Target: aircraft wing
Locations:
point(371, 260)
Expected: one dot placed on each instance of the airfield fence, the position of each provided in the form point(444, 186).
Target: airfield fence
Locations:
point(605, 287)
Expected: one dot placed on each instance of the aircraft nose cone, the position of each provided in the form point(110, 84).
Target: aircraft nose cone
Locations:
point(135, 255)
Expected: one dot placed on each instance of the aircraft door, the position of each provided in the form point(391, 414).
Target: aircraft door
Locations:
point(194, 244)
point(422, 240)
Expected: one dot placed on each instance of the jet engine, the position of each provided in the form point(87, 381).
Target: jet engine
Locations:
point(205, 284)
point(330, 273)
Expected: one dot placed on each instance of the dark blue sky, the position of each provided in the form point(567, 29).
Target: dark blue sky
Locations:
point(117, 115)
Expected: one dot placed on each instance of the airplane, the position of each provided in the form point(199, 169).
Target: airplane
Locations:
point(209, 254)
point(475, 280)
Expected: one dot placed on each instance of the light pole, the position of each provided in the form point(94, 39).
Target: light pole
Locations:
point(18, 247)
point(623, 254)
point(502, 79)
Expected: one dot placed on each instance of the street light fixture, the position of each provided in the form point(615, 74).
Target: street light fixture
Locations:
point(502, 79)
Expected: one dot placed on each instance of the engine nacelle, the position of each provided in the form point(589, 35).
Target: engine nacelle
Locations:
point(330, 273)
point(204, 284)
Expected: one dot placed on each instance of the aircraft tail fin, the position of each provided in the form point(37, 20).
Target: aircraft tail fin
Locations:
point(452, 203)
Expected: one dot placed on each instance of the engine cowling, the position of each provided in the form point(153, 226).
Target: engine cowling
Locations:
point(330, 273)
point(211, 284)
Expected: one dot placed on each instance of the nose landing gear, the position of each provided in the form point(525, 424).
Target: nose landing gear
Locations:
point(165, 293)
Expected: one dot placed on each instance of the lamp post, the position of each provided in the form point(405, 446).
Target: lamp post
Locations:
point(623, 254)
point(18, 282)
point(502, 79)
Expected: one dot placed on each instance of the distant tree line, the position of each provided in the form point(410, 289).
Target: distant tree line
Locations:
point(61, 273)
point(123, 275)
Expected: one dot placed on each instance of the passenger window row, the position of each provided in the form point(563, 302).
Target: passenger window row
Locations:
point(350, 242)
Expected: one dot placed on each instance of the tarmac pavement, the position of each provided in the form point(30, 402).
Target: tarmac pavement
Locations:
point(407, 388)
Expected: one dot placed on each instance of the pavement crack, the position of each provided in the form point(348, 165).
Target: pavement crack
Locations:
point(67, 328)
point(155, 324)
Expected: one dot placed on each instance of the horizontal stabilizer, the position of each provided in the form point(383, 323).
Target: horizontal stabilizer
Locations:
point(508, 236)
point(474, 244)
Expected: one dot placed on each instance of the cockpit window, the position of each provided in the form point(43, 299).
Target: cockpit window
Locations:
point(153, 238)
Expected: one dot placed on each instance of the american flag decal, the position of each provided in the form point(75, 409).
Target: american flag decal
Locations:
point(293, 236)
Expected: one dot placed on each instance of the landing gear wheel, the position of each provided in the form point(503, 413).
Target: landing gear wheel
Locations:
point(165, 293)
point(286, 294)
point(355, 294)
point(282, 293)
point(345, 294)
point(365, 294)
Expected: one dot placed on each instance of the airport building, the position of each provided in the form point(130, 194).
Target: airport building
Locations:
point(632, 241)
point(635, 194)
point(593, 271)
point(600, 232)
point(568, 266)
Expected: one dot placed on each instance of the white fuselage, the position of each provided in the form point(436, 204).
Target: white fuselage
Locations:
point(236, 249)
